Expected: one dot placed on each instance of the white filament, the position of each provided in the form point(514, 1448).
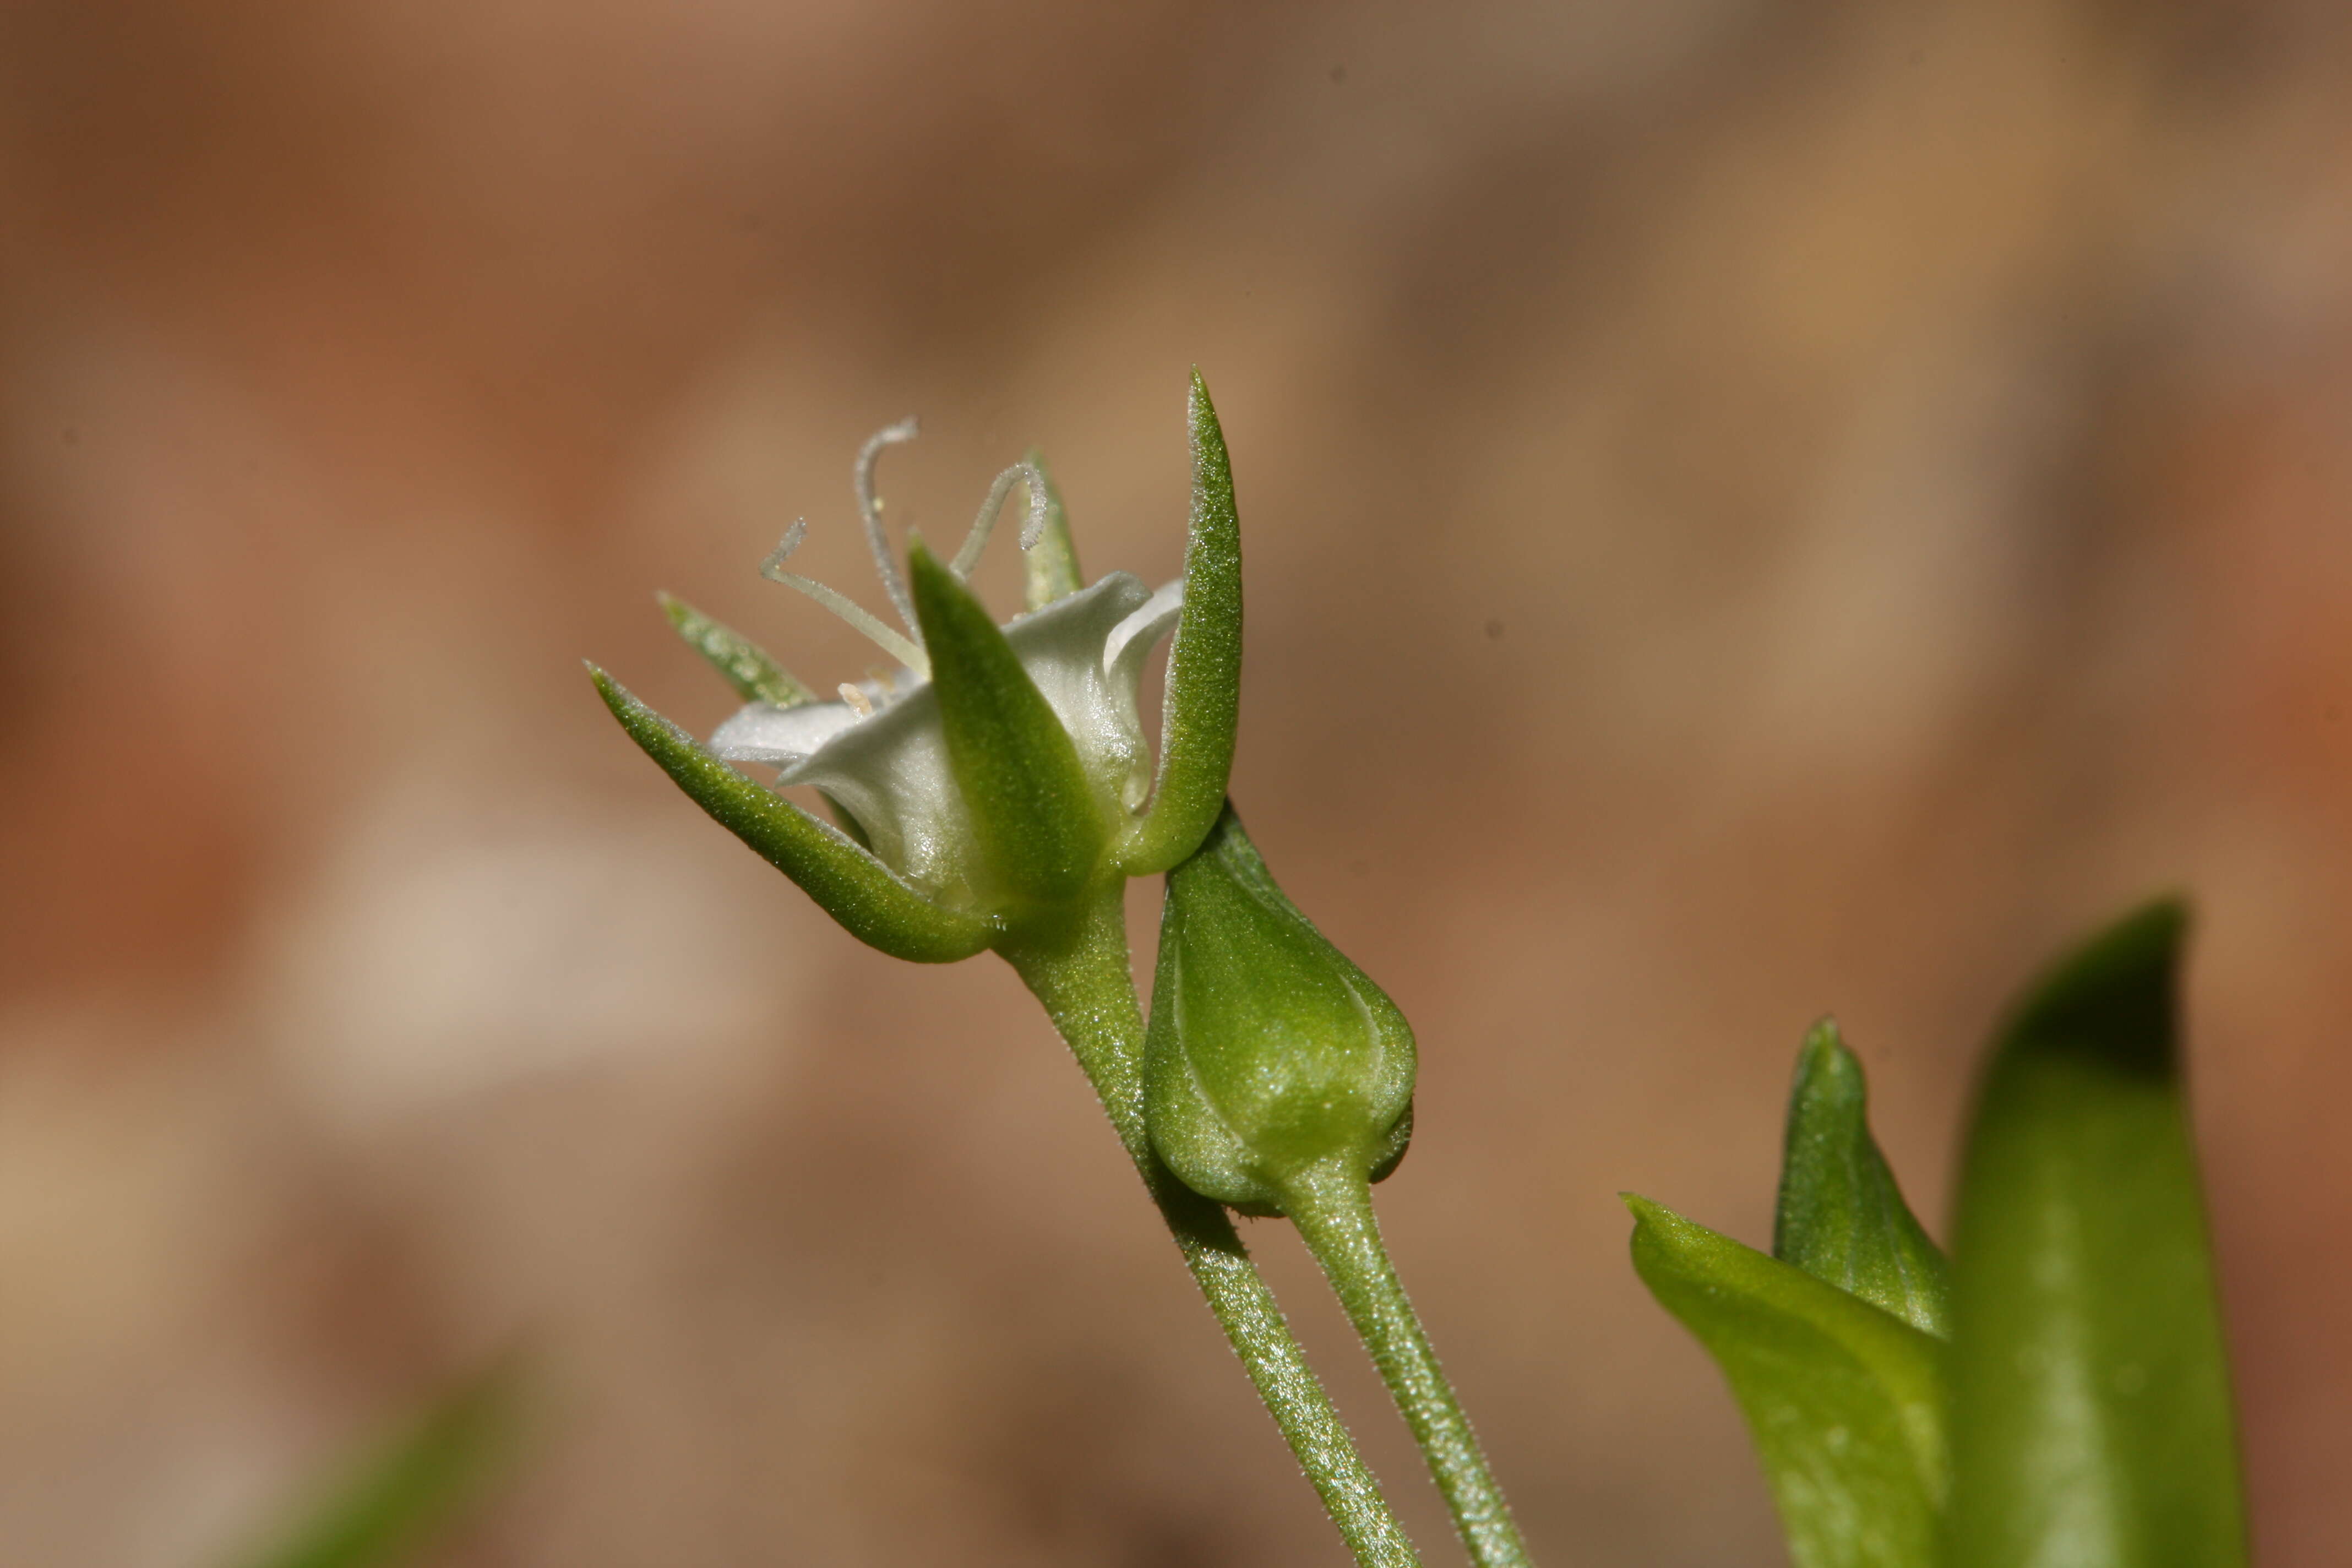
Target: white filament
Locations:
point(898, 647)
point(869, 513)
point(1023, 473)
point(906, 650)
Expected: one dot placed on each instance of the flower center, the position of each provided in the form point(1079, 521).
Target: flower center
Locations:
point(906, 649)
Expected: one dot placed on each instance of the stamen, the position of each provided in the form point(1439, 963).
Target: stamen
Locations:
point(986, 523)
point(857, 616)
point(859, 703)
point(1034, 529)
point(869, 513)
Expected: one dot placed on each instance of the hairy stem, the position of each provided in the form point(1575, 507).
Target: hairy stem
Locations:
point(1332, 1207)
point(1082, 978)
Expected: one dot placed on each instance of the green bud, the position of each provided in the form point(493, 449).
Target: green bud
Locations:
point(1269, 1055)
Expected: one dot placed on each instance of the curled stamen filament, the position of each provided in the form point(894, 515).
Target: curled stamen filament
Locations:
point(869, 513)
point(898, 647)
point(984, 525)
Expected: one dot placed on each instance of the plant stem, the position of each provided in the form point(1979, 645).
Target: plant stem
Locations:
point(1081, 976)
point(1332, 1207)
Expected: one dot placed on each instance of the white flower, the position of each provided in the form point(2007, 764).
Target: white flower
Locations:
point(879, 752)
point(1001, 801)
point(882, 757)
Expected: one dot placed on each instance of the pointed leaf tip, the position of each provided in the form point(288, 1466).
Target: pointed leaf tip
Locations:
point(1200, 709)
point(2092, 1417)
point(1844, 1402)
point(848, 883)
point(1840, 1216)
point(2113, 997)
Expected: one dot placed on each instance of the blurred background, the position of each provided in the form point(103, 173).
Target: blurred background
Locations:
point(1751, 510)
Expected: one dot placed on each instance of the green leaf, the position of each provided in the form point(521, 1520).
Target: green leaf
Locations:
point(846, 882)
point(398, 1499)
point(1051, 563)
point(1033, 812)
point(2092, 1425)
point(1842, 1218)
point(1203, 705)
point(1845, 1401)
point(755, 677)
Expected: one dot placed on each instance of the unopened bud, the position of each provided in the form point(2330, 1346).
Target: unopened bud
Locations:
point(1269, 1055)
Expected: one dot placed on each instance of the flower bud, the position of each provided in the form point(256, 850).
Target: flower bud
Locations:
point(1269, 1054)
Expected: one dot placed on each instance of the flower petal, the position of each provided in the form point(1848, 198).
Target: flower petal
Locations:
point(890, 773)
point(1134, 638)
point(763, 732)
point(1065, 648)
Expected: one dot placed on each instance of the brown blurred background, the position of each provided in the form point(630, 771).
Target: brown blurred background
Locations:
point(1752, 510)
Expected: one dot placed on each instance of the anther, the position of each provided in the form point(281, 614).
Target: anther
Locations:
point(859, 703)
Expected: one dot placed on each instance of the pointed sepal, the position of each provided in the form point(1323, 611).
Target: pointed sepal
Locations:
point(1842, 1218)
point(1203, 703)
point(2090, 1395)
point(1845, 1401)
point(746, 666)
point(846, 882)
point(1033, 812)
point(1051, 564)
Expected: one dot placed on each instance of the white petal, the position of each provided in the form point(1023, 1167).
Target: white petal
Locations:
point(1063, 648)
point(890, 773)
point(765, 733)
point(1134, 638)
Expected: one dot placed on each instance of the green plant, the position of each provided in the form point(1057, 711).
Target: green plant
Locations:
point(2054, 1397)
point(2057, 1395)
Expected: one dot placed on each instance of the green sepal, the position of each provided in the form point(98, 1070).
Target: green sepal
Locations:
point(755, 677)
point(1032, 813)
point(1269, 1054)
point(1050, 566)
point(1840, 1216)
point(1203, 704)
point(848, 883)
point(1845, 1401)
point(2092, 1419)
point(401, 1497)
